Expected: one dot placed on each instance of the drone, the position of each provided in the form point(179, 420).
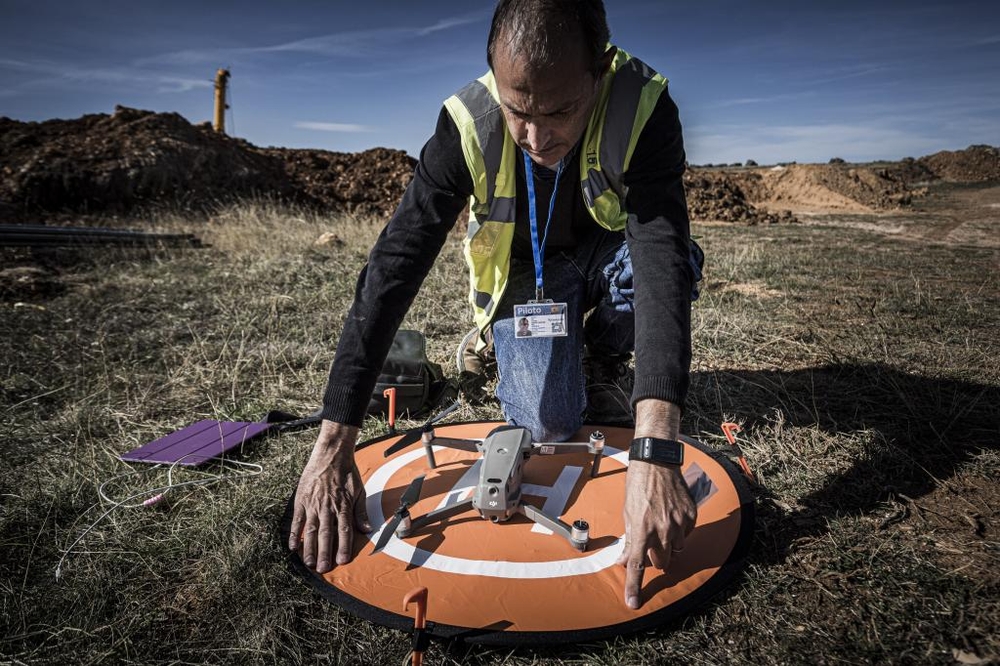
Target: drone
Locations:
point(497, 496)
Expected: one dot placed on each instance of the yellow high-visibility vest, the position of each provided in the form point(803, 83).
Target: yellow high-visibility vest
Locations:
point(628, 95)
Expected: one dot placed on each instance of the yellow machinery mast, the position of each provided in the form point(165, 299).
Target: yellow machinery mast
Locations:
point(221, 79)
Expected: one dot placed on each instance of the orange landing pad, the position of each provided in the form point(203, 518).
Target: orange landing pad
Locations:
point(514, 582)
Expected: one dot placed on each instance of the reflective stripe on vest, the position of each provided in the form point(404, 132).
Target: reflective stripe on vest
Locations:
point(628, 95)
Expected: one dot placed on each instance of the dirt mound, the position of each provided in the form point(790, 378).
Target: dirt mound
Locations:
point(127, 160)
point(367, 183)
point(975, 164)
point(751, 195)
point(717, 196)
point(829, 187)
point(133, 159)
point(911, 171)
point(773, 194)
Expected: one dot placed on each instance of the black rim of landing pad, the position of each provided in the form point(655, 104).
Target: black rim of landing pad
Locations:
point(726, 574)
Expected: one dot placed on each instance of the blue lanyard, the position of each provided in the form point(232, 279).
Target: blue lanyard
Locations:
point(538, 249)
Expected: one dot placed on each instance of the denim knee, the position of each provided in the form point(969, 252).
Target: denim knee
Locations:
point(557, 426)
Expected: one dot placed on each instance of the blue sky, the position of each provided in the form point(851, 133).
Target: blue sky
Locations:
point(775, 81)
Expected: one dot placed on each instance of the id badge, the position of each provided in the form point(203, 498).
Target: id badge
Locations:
point(540, 319)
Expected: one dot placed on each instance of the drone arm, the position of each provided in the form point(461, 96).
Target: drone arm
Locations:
point(536, 516)
point(469, 445)
point(430, 440)
point(553, 448)
point(595, 445)
point(434, 516)
point(576, 535)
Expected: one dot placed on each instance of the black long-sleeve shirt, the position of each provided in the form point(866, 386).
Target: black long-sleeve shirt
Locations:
point(657, 233)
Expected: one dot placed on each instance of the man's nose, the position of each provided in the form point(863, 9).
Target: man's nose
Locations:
point(537, 136)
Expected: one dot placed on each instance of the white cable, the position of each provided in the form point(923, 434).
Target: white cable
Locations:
point(157, 494)
point(257, 469)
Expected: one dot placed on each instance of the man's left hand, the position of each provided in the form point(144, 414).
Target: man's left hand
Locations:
point(659, 514)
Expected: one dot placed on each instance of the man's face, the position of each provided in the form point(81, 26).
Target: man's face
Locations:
point(546, 111)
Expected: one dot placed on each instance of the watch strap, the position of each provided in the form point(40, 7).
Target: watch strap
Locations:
point(657, 451)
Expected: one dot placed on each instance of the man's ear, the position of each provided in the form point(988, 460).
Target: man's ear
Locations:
point(606, 60)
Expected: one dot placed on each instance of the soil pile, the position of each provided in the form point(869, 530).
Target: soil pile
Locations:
point(911, 171)
point(768, 194)
point(777, 194)
point(828, 187)
point(975, 164)
point(872, 188)
point(367, 183)
point(132, 160)
point(127, 160)
point(713, 195)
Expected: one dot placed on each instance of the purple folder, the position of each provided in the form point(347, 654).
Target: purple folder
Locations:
point(197, 443)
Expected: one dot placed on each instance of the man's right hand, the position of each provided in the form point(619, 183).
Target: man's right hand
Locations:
point(329, 501)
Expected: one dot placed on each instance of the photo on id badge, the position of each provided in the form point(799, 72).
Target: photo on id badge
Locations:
point(540, 320)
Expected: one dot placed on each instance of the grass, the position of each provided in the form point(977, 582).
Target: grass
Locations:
point(862, 368)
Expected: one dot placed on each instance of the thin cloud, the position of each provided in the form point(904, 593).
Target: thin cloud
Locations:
point(744, 101)
point(21, 65)
point(170, 84)
point(59, 72)
point(352, 43)
point(807, 143)
point(952, 104)
point(446, 24)
point(333, 127)
point(413, 67)
point(163, 84)
point(355, 44)
point(852, 73)
point(818, 76)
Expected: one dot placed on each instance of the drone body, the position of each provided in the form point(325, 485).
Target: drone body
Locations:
point(498, 493)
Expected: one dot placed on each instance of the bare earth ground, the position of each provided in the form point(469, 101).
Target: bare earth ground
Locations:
point(858, 350)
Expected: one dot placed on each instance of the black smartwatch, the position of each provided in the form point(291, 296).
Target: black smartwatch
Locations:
point(657, 451)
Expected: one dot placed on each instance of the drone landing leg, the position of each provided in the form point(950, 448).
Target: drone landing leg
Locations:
point(577, 534)
point(433, 517)
point(427, 438)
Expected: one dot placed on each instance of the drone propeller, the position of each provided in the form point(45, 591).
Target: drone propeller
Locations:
point(408, 499)
point(414, 434)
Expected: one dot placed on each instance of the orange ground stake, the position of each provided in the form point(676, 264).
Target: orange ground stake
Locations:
point(730, 429)
point(420, 638)
point(391, 394)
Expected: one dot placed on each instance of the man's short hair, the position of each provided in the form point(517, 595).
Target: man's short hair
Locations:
point(536, 30)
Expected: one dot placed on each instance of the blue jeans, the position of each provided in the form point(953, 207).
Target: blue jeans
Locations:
point(541, 385)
